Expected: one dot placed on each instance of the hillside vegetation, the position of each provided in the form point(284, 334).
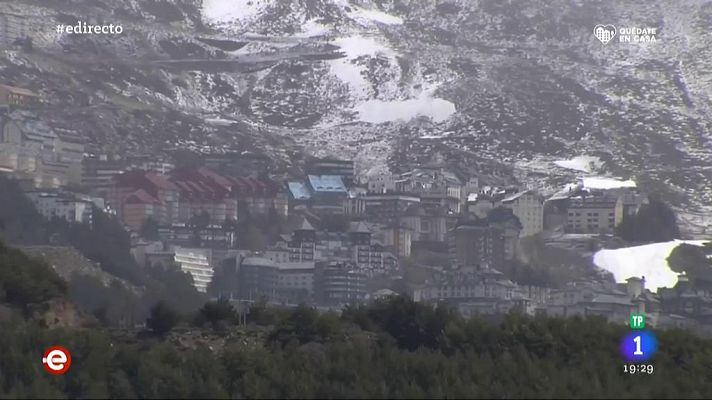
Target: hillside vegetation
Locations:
point(394, 348)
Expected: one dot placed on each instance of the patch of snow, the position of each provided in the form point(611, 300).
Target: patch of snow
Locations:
point(347, 70)
point(581, 163)
point(367, 16)
point(219, 121)
point(312, 28)
point(364, 15)
point(599, 182)
point(228, 11)
point(378, 111)
point(649, 260)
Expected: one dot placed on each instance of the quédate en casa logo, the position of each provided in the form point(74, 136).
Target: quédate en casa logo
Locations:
point(57, 360)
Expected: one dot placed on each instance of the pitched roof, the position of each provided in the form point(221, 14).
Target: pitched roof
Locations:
point(160, 181)
point(18, 90)
point(358, 227)
point(305, 226)
point(299, 190)
point(515, 196)
point(327, 183)
point(141, 197)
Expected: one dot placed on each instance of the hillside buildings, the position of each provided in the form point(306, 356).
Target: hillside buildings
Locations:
point(344, 169)
point(341, 284)
point(244, 164)
point(355, 245)
point(63, 205)
point(597, 211)
point(48, 154)
point(13, 27)
point(17, 97)
point(184, 195)
point(485, 242)
point(529, 208)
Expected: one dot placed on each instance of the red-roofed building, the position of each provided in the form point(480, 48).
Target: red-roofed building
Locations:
point(144, 187)
point(203, 191)
point(140, 205)
point(184, 193)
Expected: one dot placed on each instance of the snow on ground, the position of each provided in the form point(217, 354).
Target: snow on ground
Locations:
point(649, 260)
point(378, 111)
point(581, 163)
point(444, 135)
point(600, 182)
point(367, 16)
point(228, 11)
point(312, 28)
point(364, 15)
point(220, 121)
point(346, 68)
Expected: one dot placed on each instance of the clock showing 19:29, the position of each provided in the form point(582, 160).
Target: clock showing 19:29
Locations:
point(638, 368)
point(638, 346)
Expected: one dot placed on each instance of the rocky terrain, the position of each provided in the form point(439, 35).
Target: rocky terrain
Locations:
point(503, 88)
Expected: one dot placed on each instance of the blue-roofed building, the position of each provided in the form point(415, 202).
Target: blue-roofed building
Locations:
point(327, 184)
point(299, 191)
point(333, 167)
point(299, 195)
point(328, 193)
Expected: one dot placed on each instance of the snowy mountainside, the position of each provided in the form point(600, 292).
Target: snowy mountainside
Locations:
point(503, 88)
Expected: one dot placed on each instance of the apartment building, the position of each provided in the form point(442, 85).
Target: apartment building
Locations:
point(65, 206)
point(529, 208)
point(591, 213)
point(198, 263)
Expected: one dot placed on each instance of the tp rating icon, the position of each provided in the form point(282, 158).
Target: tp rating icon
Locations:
point(637, 321)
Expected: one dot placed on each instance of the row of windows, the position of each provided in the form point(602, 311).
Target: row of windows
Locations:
point(589, 214)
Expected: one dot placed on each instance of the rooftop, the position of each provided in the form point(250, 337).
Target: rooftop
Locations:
point(258, 262)
point(327, 183)
point(18, 90)
point(299, 190)
point(515, 196)
point(141, 197)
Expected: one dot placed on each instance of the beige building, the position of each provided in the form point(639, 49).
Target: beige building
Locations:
point(529, 208)
point(602, 212)
point(591, 214)
point(400, 238)
point(15, 96)
point(50, 157)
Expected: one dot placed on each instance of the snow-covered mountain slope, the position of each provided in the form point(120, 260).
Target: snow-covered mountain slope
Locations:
point(504, 88)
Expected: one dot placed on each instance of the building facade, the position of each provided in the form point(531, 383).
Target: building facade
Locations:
point(529, 208)
point(198, 263)
point(65, 206)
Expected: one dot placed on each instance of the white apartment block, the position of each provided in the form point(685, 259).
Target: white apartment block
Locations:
point(198, 263)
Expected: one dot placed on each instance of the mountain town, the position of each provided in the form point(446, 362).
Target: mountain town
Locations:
point(355, 199)
point(329, 237)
